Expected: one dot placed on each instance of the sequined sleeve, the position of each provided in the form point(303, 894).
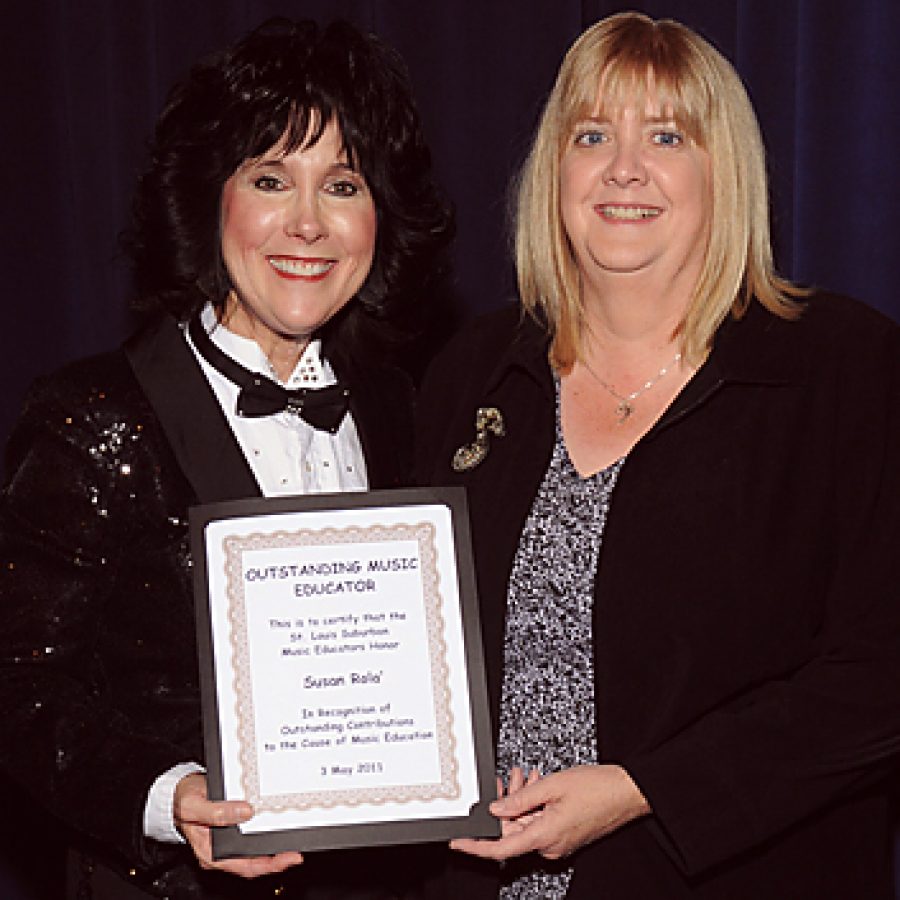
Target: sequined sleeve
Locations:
point(82, 511)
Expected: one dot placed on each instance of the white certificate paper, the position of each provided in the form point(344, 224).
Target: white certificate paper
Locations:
point(346, 700)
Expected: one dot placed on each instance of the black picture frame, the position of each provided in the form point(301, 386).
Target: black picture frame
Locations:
point(231, 841)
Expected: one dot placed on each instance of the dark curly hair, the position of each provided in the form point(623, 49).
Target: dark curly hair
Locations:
point(287, 80)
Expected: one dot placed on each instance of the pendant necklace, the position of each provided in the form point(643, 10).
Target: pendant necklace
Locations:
point(625, 406)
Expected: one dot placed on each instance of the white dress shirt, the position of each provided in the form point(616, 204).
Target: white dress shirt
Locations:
point(286, 456)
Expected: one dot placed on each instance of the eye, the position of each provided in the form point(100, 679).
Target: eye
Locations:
point(344, 187)
point(268, 183)
point(590, 137)
point(667, 137)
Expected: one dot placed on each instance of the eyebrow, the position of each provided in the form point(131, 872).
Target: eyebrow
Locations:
point(260, 161)
point(278, 161)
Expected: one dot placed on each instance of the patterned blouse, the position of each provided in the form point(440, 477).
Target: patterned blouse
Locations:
point(547, 705)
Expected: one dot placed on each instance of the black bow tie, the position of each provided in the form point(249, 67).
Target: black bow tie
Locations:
point(323, 408)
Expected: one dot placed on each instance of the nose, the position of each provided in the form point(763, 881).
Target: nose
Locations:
point(304, 219)
point(626, 164)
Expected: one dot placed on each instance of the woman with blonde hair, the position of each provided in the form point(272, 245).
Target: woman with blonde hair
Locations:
point(685, 505)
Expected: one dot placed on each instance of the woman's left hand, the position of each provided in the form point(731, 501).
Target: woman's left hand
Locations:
point(576, 806)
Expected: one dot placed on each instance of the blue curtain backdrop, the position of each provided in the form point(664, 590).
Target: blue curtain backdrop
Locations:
point(83, 80)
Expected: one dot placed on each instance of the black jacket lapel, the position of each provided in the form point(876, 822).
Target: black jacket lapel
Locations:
point(189, 413)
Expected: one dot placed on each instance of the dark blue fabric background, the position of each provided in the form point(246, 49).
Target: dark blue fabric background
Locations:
point(84, 81)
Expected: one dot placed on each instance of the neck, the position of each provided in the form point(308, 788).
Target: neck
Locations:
point(283, 356)
point(282, 351)
point(629, 333)
point(644, 306)
point(631, 318)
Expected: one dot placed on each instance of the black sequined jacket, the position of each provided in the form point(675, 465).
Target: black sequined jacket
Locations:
point(98, 665)
point(746, 606)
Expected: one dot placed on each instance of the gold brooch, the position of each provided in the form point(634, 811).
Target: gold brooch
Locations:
point(488, 420)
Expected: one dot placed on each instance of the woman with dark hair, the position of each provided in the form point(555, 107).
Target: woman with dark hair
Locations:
point(683, 480)
point(287, 222)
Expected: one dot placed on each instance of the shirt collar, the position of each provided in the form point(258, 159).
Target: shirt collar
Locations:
point(311, 369)
point(527, 351)
point(758, 348)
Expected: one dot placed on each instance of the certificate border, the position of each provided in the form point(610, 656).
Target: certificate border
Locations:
point(423, 534)
point(230, 841)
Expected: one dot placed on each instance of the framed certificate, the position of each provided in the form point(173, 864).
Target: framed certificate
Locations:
point(341, 667)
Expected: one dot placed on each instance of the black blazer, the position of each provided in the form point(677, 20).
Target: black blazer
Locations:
point(98, 669)
point(746, 606)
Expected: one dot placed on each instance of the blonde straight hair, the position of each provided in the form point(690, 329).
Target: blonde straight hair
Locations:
point(618, 60)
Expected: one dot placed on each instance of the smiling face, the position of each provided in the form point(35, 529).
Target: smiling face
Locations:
point(635, 198)
point(298, 238)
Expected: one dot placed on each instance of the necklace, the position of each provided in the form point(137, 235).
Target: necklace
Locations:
point(626, 402)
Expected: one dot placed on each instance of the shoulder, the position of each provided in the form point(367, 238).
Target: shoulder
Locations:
point(840, 357)
point(844, 342)
point(85, 387)
point(832, 334)
point(845, 321)
point(484, 345)
point(823, 316)
point(492, 331)
point(79, 379)
point(90, 388)
point(90, 403)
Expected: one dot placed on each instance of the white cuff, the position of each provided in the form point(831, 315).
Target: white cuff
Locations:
point(159, 822)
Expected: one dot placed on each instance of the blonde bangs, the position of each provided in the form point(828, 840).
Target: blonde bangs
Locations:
point(649, 63)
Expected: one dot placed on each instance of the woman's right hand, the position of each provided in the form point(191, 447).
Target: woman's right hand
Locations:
point(561, 812)
point(195, 813)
